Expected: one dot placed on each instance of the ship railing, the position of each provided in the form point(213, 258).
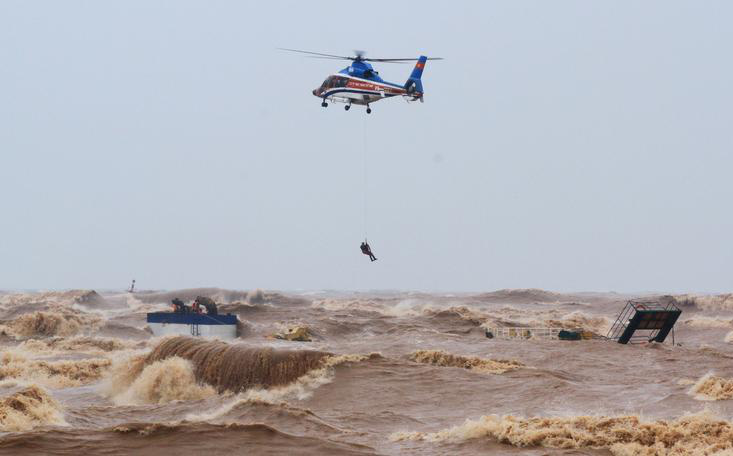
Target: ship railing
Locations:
point(521, 332)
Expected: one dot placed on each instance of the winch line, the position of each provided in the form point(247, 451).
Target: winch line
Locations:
point(366, 175)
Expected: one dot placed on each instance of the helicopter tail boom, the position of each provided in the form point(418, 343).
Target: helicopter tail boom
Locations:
point(414, 84)
point(419, 66)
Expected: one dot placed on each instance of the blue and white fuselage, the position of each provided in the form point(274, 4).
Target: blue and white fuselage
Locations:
point(360, 84)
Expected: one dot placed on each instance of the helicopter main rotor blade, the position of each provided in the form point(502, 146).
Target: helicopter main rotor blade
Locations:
point(317, 53)
point(324, 58)
point(359, 57)
point(401, 60)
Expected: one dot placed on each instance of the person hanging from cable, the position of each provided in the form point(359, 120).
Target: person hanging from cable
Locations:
point(366, 250)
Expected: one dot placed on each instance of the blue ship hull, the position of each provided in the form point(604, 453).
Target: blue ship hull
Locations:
point(193, 324)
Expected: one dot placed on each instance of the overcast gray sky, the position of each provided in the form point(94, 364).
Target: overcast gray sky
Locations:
point(567, 145)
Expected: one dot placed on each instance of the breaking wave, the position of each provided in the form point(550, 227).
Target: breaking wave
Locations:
point(189, 294)
point(29, 408)
point(161, 382)
point(221, 296)
point(390, 307)
point(700, 321)
point(706, 302)
point(53, 374)
point(443, 359)
point(461, 312)
point(15, 305)
point(580, 320)
point(450, 313)
point(575, 320)
point(45, 324)
point(68, 297)
point(622, 435)
point(78, 344)
point(234, 367)
point(184, 368)
point(399, 306)
point(524, 296)
point(301, 388)
point(712, 388)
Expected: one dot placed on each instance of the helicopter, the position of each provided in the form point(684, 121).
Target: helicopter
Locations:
point(360, 84)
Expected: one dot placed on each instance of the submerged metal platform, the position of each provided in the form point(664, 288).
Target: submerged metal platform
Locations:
point(644, 321)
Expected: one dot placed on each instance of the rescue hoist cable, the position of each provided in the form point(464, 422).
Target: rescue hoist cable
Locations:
point(366, 175)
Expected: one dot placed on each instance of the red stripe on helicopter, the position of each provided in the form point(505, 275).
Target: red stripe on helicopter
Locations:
point(352, 84)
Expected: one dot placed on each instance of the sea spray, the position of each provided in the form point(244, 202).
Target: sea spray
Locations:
point(444, 359)
point(28, 408)
point(580, 320)
point(51, 323)
point(706, 302)
point(701, 321)
point(712, 388)
point(623, 435)
point(160, 382)
point(53, 374)
point(79, 344)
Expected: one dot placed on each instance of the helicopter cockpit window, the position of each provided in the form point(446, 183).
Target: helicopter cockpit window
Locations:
point(334, 81)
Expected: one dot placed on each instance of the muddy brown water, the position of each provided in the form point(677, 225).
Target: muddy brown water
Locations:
point(385, 373)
